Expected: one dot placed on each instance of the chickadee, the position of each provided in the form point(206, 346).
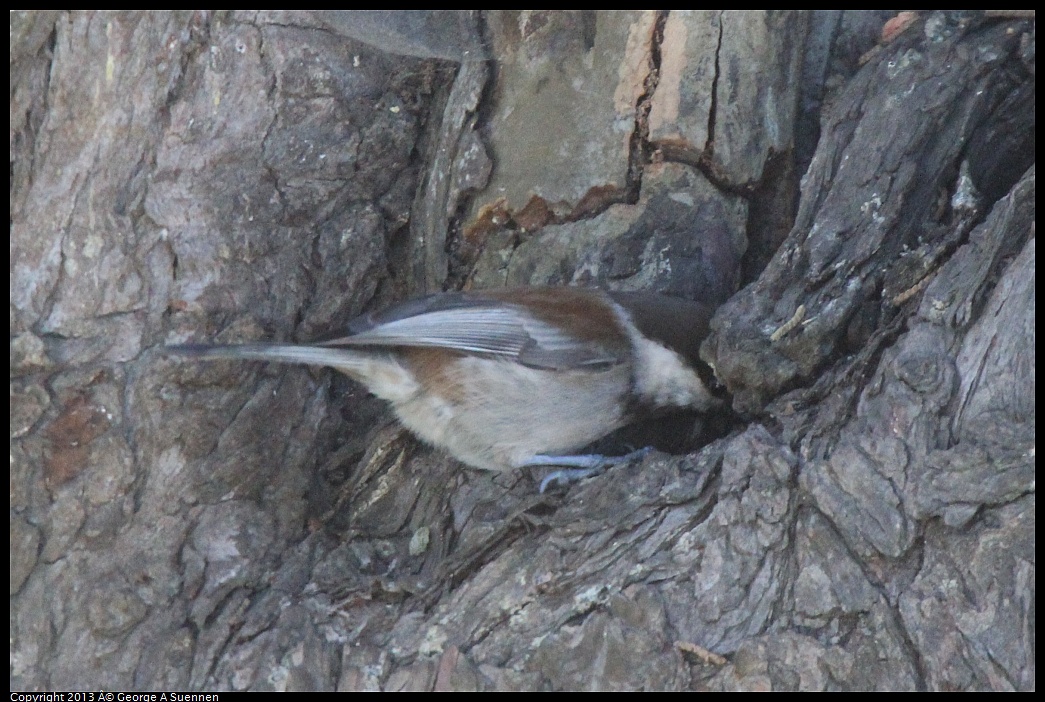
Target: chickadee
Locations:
point(507, 378)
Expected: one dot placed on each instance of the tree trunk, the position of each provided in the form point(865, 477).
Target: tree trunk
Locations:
point(864, 521)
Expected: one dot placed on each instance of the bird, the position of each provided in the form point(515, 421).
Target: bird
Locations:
point(513, 377)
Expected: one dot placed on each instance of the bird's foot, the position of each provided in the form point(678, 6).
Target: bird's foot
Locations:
point(575, 468)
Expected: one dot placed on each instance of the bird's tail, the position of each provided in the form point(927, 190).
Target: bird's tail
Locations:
point(379, 370)
point(346, 360)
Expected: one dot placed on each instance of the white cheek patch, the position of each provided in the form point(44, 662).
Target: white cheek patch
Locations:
point(662, 376)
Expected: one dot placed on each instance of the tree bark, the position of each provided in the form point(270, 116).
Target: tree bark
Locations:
point(865, 520)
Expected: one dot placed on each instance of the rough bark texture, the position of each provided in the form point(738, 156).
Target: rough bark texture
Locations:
point(867, 523)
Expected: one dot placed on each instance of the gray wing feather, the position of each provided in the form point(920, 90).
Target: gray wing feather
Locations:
point(496, 330)
point(476, 325)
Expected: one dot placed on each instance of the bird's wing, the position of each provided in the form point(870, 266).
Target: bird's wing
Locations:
point(476, 323)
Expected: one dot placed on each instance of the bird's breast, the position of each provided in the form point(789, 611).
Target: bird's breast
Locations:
point(495, 414)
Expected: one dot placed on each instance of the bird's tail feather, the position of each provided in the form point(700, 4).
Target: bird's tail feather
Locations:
point(279, 353)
